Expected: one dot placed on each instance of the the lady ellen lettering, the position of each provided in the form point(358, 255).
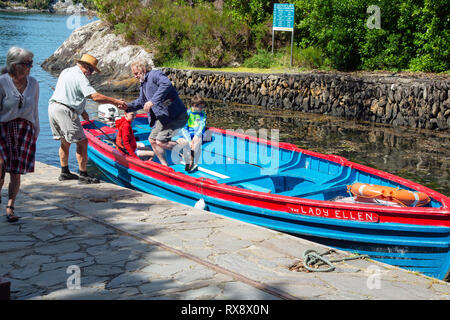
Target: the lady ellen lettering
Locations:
point(336, 214)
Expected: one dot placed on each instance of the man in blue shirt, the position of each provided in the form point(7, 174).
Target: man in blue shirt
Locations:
point(166, 112)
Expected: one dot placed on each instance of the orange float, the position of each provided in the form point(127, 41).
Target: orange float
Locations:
point(403, 197)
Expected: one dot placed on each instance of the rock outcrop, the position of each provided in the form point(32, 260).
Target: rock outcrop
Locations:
point(113, 52)
point(68, 7)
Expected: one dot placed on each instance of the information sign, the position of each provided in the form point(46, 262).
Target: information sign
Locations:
point(283, 17)
point(283, 20)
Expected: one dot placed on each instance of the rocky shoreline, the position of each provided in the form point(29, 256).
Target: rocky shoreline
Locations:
point(412, 100)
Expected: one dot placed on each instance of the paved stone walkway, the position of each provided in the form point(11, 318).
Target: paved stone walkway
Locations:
point(125, 244)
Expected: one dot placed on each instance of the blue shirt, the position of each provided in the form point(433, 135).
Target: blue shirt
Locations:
point(157, 88)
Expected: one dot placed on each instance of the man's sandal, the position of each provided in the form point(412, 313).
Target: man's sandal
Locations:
point(11, 217)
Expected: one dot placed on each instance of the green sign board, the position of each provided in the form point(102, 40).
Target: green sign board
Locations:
point(283, 17)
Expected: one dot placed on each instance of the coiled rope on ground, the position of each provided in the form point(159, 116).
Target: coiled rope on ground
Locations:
point(312, 260)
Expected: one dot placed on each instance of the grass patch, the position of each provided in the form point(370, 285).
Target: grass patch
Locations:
point(267, 63)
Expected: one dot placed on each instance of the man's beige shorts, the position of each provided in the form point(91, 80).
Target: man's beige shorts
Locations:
point(165, 133)
point(65, 123)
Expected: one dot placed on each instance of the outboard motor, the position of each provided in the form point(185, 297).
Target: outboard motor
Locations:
point(108, 113)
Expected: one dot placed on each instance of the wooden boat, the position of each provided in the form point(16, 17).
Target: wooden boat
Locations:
point(285, 188)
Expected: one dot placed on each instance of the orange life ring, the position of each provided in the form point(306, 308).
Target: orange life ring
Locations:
point(401, 196)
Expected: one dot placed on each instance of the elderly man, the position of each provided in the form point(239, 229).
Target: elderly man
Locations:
point(166, 112)
point(66, 105)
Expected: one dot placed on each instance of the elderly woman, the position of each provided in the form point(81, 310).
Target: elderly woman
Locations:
point(19, 122)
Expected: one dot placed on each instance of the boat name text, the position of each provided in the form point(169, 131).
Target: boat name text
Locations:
point(335, 213)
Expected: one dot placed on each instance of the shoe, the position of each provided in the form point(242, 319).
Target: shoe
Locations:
point(193, 168)
point(67, 176)
point(11, 217)
point(87, 180)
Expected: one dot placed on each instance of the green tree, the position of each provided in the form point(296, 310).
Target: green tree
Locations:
point(432, 38)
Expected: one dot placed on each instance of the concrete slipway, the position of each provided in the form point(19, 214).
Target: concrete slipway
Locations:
point(118, 243)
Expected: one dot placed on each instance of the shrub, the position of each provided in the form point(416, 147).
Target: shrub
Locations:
point(310, 57)
point(200, 34)
point(414, 33)
point(262, 59)
point(335, 26)
point(432, 38)
point(89, 4)
point(38, 4)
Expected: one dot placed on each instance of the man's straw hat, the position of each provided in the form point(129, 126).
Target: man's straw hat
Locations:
point(90, 60)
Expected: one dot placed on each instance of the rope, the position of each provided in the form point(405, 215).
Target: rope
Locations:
point(312, 257)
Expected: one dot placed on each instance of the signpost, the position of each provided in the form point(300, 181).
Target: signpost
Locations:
point(283, 20)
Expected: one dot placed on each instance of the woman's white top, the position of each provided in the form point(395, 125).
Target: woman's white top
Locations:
point(10, 99)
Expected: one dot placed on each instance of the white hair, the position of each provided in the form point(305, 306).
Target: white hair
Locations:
point(141, 64)
point(17, 55)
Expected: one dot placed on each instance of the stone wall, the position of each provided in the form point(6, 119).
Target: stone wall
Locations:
point(414, 101)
